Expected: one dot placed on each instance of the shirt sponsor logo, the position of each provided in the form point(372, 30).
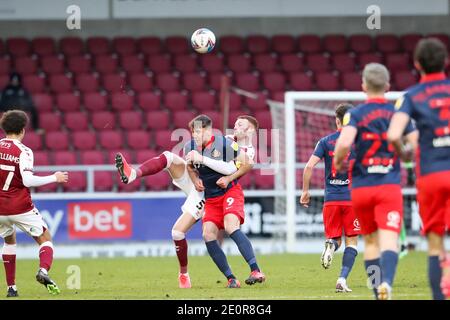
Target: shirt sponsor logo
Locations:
point(441, 142)
point(339, 182)
point(379, 169)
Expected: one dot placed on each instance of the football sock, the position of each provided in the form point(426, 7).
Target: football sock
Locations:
point(372, 268)
point(181, 247)
point(219, 258)
point(152, 166)
point(245, 248)
point(336, 244)
point(46, 255)
point(9, 262)
point(389, 260)
point(347, 261)
point(434, 277)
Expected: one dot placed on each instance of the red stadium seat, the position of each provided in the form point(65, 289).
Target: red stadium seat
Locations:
point(175, 101)
point(79, 64)
point(235, 101)
point(182, 118)
point(127, 153)
point(106, 63)
point(43, 102)
point(360, 43)
point(122, 101)
point(113, 83)
point(103, 120)
point(141, 82)
point(352, 81)
point(92, 157)
point(133, 64)
point(366, 58)
point(138, 139)
point(264, 118)
point(103, 181)
point(64, 158)
point(274, 81)
point(50, 122)
point(248, 81)
point(98, 45)
point(397, 61)
point(94, 101)
point(77, 182)
point(283, 44)
point(292, 63)
point(215, 116)
point(157, 182)
point(25, 65)
point(60, 83)
point(239, 63)
point(246, 181)
point(194, 82)
point(131, 187)
point(387, 43)
point(18, 47)
point(231, 44)
point(4, 80)
point(409, 41)
point(265, 62)
point(144, 155)
point(84, 140)
point(86, 82)
point(186, 63)
point(300, 82)
point(215, 80)
point(404, 80)
point(5, 65)
point(130, 120)
point(257, 44)
point(52, 64)
point(163, 140)
point(260, 103)
point(110, 139)
point(318, 62)
point(309, 43)
point(149, 101)
point(167, 82)
point(76, 121)
point(71, 46)
point(33, 83)
point(343, 62)
point(327, 81)
point(41, 158)
point(203, 100)
point(67, 102)
point(212, 62)
point(149, 45)
point(441, 36)
point(232, 116)
point(177, 45)
point(264, 181)
point(160, 63)
point(56, 140)
point(157, 120)
point(124, 46)
point(43, 46)
point(33, 141)
point(335, 43)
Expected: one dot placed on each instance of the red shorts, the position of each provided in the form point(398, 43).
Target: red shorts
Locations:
point(433, 195)
point(338, 216)
point(378, 207)
point(232, 202)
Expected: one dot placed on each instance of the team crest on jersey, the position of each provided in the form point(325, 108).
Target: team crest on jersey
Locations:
point(346, 119)
point(215, 153)
point(399, 102)
point(393, 219)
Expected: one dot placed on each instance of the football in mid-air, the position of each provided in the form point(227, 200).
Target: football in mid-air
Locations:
point(203, 40)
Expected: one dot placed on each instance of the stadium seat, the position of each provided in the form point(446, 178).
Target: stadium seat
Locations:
point(247, 81)
point(43, 102)
point(122, 101)
point(318, 62)
point(265, 62)
point(351, 81)
point(140, 82)
point(343, 62)
point(235, 101)
point(300, 81)
point(335, 43)
point(41, 158)
point(64, 158)
point(409, 41)
point(103, 120)
point(92, 157)
point(56, 140)
point(264, 181)
point(182, 118)
point(131, 187)
point(103, 181)
point(186, 63)
point(71, 46)
point(283, 44)
point(260, 103)
point(366, 58)
point(5, 65)
point(441, 36)
point(77, 182)
point(110, 139)
point(138, 139)
point(52, 64)
point(98, 46)
point(258, 44)
point(292, 63)
point(76, 121)
point(124, 46)
point(132, 64)
point(163, 140)
point(327, 81)
point(33, 141)
point(232, 116)
point(144, 155)
point(25, 65)
point(397, 61)
point(33, 83)
point(216, 118)
point(212, 63)
point(309, 43)
point(194, 82)
point(94, 101)
point(127, 153)
point(4, 80)
point(43, 46)
point(113, 83)
point(86, 82)
point(175, 101)
point(177, 45)
point(84, 140)
point(274, 81)
point(50, 121)
point(157, 182)
point(106, 63)
point(246, 181)
point(160, 63)
point(130, 120)
point(67, 102)
point(149, 101)
point(215, 80)
point(203, 100)
point(60, 83)
point(18, 47)
point(238, 63)
point(360, 43)
point(264, 118)
point(387, 43)
point(79, 64)
point(149, 45)
point(404, 80)
point(167, 82)
point(230, 44)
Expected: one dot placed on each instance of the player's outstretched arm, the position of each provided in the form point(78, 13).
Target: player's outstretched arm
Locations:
point(307, 174)
point(30, 180)
point(343, 145)
point(245, 165)
point(222, 167)
point(399, 122)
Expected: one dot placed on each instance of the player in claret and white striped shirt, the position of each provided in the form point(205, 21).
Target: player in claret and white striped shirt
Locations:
point(16, 206)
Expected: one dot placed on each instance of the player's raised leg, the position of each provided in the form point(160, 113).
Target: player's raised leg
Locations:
point(9, 261)
point(45, 262)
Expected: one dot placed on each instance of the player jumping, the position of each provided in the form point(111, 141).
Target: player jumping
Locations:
point(376, 193)
point(193, 208)
point(338, 212)
point(16, 206)
point(224, 207)
point(428, 103)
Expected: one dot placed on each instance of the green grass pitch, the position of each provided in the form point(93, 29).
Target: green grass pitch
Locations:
point(289, 276)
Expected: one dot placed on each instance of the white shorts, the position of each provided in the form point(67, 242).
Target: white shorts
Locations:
point(195, 201)
point(30, 222)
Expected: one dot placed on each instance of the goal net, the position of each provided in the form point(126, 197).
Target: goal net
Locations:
point(302, 120)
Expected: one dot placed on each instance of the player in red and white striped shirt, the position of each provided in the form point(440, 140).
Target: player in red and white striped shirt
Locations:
point(16, 206)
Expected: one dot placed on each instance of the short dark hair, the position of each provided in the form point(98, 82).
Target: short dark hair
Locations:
point(341, 110)
point(431, 54)
point(13, 121)
point(200, 121)
point(250, 119)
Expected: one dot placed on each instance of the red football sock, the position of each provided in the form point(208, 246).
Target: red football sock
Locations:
point(46, 255)
point(152, 166)
point(9, 261)
point(181, 247)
